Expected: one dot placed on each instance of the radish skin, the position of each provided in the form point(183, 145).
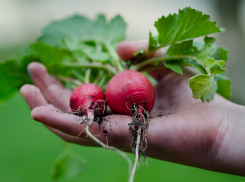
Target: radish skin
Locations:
point(127, 88)
point(84, 95)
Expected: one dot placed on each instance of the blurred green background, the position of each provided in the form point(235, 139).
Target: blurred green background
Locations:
point(27, 149)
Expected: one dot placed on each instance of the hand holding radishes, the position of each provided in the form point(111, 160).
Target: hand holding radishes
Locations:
point(194, 134)
point(89, 56)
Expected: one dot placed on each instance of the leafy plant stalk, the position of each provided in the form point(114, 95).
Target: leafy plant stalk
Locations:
point(90, 65)
point(116, 60)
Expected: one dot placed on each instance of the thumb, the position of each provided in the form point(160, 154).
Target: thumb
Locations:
point(126, 49)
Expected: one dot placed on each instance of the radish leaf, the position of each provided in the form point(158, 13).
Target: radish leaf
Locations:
point(67, 165)
point(189, 23)
point(219, 53)
point(203, 87)
point(174, 65)
point(80, 29)
point(223, 84)
point(13, 76)
point(152, 42)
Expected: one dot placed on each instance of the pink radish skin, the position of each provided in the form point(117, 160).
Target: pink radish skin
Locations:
point(128, 88)
point(84, 95)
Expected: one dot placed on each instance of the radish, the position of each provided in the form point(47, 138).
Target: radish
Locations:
point(129, 88)
point(88, 100)
point(131, 93)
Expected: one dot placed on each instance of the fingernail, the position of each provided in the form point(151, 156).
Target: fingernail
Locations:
point(28, 71)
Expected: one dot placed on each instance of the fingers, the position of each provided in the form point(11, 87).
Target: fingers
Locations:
point(33, 96)
point(51, 90)
point(117, 126)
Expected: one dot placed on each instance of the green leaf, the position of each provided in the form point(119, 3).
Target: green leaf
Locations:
point(221, 63)
point(102, 37)
point(219, 53)
point(74, 28)
point(175, 65)
point(186, 50)
point(115, 31)
point(192, 63)
point(50, 55)
point(189, 23)
point(202, 55)
point(152, 42)
point(100, 26)
point(181, 49)
point(13, 76)
point(67, 165)
point(141, 51)
point(216, 69)
point(80, 29)
point(93, 54)
point(223, 83)
point(203, 87)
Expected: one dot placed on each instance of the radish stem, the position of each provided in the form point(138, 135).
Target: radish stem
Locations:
point(91, 65)
point(71, 80)
point(116, 61)
point(87, 75)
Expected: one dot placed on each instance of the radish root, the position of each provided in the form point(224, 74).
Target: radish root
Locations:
point(138, 128)
point(136, 156)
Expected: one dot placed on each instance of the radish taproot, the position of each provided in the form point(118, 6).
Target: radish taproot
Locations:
point(89, 100)
point(131, 93)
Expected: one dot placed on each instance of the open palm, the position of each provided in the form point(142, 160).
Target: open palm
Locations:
point(183, 130)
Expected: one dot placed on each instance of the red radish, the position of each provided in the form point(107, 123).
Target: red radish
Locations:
point(86, 98)
point(131, 93)
point(129, 88)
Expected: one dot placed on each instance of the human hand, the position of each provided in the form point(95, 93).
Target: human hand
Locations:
point(204, 135)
